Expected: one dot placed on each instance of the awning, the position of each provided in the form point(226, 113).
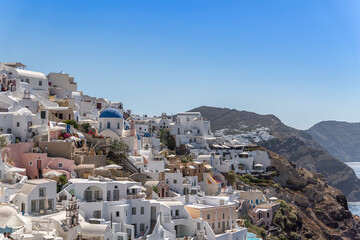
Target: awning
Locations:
point(135, 187)
point(207, 166)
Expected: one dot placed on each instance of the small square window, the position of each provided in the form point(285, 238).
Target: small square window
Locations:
point(30, 163)
point(18, 124)
point(175, 181)
point(40, 83)
point(60, 165)
point(208, 216)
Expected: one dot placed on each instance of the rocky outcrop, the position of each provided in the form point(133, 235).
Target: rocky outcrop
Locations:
point(321, 209)
point(296, 145)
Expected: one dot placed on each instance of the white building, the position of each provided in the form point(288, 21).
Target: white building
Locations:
point(190, 128)
point(37, 81)
point(36, 196)
point(19, 124)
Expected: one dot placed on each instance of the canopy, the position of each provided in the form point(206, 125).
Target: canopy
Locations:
point(101, 168)
point(135, 187)
point(88, 121)
point(13, 221)
point(17, 170)
point(52, 174)
point(57, 128)
point(113, 166)
point(35, 126)
point(74, 138)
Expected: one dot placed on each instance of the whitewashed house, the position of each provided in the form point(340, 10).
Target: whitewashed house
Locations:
point(36, 196)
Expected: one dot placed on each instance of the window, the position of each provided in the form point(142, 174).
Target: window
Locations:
point(142, 210)
point(100, 125)
point(108, 196)
point(97, 195)
point(198, 226)
point(42, 204)
point(50, 204)
point(9, 130)
point(18, 124)
point(142, 227)
point(177, 212)
point(96, 214)
point(223, 215)
point(40, 83)
point(175, 181)
point(33, 205)
point(29, 125)
point(42, 192)
point(208, 216)
point(60, 165)
point(108, 124)
point(30, 163)
point(118, 126)
point(117, 214)
point(133, 211)
point(213, 225)
point(27, 80)
point(218, 224)
point(43, 114)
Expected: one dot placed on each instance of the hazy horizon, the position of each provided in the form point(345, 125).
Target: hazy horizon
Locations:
point(296, 60)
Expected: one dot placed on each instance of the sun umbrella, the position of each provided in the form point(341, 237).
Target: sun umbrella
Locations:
point(13, 221)
point(17, 170)
point(56, 128)
point(46, 203)
point(36, 126)
point(113, 166)
point(52, 174)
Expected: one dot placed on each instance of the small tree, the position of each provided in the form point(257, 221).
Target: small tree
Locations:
point(2, 141)
point(155, 189)
point(86, 127)
point(231, 178)
point(61, 182)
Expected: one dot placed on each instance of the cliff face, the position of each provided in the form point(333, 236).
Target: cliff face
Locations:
point(341, 139)
point(320, 211)
point(296, 145)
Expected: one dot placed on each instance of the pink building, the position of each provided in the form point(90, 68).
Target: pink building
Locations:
point(36, 164)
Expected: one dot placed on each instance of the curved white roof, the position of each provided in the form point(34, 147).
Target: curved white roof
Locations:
point(7, 211)
point(31, 74)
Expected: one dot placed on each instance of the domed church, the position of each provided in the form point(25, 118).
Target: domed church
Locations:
point(111, 123)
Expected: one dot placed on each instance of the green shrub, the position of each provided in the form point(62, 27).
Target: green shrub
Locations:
point(72, 123)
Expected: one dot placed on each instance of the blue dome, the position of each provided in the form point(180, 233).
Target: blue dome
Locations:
point(110, 113)
point(147, 134)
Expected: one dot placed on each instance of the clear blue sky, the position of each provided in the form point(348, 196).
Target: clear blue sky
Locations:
point(296, 59)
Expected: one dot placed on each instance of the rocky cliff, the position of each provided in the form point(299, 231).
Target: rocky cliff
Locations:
point(296, 145)
point(317, 210)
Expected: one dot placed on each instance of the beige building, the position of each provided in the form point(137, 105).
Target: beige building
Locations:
point(59, 114)
point(221, 217)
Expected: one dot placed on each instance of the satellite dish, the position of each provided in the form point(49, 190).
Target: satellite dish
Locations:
point(73, 174)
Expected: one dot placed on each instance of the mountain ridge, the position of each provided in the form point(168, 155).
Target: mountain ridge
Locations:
point(339, 138)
